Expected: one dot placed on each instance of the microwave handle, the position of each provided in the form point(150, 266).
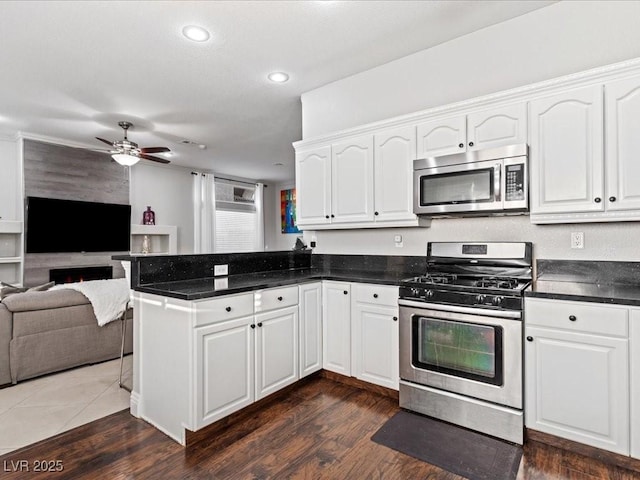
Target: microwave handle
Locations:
point(497, 182)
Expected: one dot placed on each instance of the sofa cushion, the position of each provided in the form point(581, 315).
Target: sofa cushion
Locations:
point(29, 301)
point(7, 289)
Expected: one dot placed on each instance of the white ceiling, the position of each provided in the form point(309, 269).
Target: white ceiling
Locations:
point(72, 70)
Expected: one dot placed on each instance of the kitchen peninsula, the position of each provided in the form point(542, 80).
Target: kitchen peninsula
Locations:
point(256, 328)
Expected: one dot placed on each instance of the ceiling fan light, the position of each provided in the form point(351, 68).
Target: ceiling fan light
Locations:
point(125, 159)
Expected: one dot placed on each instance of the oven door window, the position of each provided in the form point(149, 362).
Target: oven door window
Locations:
point(471, 186)
point(466, 350)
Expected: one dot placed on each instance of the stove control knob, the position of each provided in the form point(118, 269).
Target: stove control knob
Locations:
point(480, 298)
point(428, 294)
point(415, 292)
point(497, 301)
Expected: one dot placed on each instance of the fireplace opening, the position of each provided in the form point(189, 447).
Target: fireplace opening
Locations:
point(80, 274)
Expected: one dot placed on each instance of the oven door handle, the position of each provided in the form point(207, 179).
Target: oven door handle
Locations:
point(457, 309)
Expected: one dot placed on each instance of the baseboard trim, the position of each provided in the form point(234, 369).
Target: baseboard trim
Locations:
point(354, 382)
point(582, 449)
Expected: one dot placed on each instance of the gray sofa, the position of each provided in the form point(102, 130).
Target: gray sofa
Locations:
point(45, 332)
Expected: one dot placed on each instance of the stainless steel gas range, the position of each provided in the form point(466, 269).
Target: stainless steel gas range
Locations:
point(461, 336)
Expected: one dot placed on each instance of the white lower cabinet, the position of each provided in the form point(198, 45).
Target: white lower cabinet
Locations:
point(276, 363)
point(336, 327)
point(310, 323)
point(634, 363)
point(577, 372)
point(374, 335)
point(224, 369)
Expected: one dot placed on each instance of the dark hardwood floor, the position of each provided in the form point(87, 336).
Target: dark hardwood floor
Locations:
point(321, 429)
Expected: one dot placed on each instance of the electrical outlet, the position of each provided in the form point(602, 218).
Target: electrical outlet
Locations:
point(577, 239)
point(220, 270)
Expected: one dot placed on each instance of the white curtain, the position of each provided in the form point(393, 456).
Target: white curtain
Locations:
point(259, 202)
point(204, 212)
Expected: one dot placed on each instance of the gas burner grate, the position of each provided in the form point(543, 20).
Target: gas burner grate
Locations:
point(440, 278)
point(497, 282)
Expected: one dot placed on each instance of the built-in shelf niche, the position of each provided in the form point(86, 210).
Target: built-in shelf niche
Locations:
point(163, 239)
point(11, 257)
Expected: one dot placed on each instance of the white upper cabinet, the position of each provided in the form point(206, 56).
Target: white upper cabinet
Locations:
point(622, 125)
point(566, 152)
point(352, 180)
point(443, 136)
point(393, 161)
point(313, 186)
point(495, 127)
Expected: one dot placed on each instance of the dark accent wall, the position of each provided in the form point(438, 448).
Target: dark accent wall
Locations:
point(57, 171)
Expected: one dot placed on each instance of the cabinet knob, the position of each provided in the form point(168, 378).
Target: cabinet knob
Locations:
point(395, 319)
point(279, 299)
point(333, 216)
point(375, 295)
point(326, 216)
point(345, 292)
point(461, 145)
point(228, 309)
point(253, 326)
point(612, 199)
point(597, 199)
point(572, 318)
point(376, 213)
point(471, 144)
point(529, 339)
point(259, 324)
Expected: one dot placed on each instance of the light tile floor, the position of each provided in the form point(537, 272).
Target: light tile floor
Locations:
point(42, 407)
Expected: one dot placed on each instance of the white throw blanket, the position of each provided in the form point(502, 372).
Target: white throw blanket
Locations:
point(108, 298)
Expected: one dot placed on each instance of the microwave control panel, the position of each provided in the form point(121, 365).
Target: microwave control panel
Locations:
point(514, 182)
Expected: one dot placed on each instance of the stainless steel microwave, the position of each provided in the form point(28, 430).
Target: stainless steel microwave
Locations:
point(483, 181)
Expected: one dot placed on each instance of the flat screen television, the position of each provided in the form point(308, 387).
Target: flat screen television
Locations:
point(64, 226)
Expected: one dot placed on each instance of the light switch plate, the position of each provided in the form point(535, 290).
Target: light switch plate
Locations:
point(220, 270)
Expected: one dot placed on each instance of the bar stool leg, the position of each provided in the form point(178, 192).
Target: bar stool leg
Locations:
point(124, 331)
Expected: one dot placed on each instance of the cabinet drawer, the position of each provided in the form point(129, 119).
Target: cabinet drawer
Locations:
point(223, 308)
point(376, 294)
point(577, 316)
point(275, 298)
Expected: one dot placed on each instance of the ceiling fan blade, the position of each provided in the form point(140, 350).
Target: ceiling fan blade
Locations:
point(154, 150)
point(152, 158)
point(105, 141)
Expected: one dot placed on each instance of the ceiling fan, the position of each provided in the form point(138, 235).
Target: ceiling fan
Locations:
point(126, 152)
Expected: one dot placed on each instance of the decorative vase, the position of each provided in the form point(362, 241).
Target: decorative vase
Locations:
point(146, 244)
point(149, 217)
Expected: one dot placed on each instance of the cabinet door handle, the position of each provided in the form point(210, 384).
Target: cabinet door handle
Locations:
point(259, 324)
point(572, 318)
point(345, 292)
point(395, 319)
point(529, 339)
point(279, 299)
point(228, 309)
point(461, 145)
point(597, 199)
point(471, 144)
point(375, 295)
point(612, 199)
point(253, 325)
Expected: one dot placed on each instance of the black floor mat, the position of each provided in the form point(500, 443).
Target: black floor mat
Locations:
point(455, 449)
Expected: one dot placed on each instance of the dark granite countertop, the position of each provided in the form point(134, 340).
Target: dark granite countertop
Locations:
point(213, 287)
point(622, 294)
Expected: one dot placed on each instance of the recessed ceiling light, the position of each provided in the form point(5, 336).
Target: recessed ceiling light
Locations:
point(278, 77)
point(196, 33)
point(167, 154)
